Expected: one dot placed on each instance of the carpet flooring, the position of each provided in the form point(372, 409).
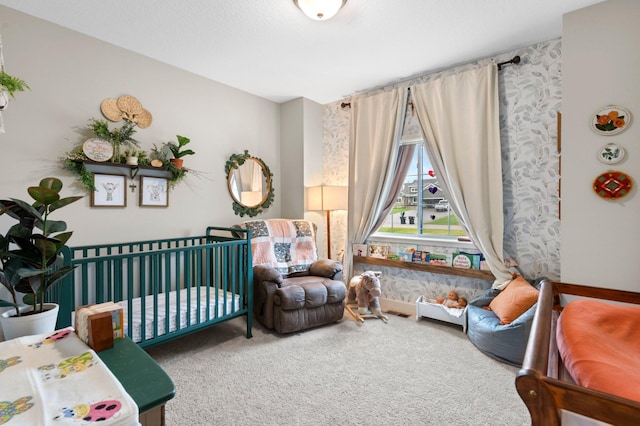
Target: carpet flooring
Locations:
point(404, 372)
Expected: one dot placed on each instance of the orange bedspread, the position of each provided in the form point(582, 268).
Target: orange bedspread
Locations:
point(600, 345)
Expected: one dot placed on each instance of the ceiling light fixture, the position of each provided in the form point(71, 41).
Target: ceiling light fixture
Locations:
point(320, 10)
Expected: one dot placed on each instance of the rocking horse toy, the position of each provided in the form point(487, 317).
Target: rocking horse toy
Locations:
point(363, 296)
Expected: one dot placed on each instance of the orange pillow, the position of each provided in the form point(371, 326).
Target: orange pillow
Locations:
point(514, 300)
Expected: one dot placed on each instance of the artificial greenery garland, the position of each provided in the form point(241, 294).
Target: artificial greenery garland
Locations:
point(74, 160)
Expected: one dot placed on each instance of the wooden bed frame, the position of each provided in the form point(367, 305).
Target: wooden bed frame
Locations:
point(544, 384)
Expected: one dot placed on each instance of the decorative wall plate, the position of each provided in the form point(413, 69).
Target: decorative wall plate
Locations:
point(611, 120)
point(611, 153)
point(97, 149)
point(612, 185)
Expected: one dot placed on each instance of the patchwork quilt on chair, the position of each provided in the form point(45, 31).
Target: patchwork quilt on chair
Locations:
point(284, 244)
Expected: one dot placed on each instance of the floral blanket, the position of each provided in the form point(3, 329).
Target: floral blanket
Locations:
point(56, 379)
point(284, 244)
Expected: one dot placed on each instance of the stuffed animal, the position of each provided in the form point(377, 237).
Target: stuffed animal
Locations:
point(365, 290)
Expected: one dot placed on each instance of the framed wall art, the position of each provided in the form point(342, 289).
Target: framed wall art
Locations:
point(611, 120)
point(154, 192)
point(110, 191)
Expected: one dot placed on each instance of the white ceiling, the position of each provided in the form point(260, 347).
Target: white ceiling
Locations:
point(270, 49)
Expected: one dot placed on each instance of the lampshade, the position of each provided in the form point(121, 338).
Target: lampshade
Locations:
point(320, 10)
point(327, 198)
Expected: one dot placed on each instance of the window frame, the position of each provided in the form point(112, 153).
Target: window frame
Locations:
point(425, 239)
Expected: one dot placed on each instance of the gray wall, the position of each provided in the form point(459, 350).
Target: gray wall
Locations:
point(70, 75)
point(601, 64)
point(300, 153)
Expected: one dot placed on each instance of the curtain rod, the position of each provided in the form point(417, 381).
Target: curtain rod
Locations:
point(348, 105)
point(514, 60)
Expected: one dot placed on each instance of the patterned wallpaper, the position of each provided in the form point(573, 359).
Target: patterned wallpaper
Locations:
point(530, 97)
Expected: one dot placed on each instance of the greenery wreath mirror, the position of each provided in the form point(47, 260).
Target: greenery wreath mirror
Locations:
point(250, 185)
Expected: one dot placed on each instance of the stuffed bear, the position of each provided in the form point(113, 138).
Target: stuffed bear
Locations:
point(365, 290)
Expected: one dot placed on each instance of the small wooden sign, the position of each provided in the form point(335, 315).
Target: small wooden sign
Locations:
point(100, 331)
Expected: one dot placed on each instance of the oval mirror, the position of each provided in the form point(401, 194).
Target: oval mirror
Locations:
point(249, 184)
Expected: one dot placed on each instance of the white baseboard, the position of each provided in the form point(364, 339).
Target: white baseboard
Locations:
point(396, 306)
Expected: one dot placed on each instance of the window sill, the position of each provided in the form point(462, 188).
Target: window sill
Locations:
point(446, 270)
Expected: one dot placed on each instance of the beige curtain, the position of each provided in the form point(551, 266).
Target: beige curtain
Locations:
point(376, 126)
point(460, 121)
point(403, 162)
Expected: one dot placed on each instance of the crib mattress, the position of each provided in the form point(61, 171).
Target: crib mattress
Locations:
point(225, 303)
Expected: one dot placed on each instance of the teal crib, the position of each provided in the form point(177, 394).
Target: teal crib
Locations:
point(168, 287)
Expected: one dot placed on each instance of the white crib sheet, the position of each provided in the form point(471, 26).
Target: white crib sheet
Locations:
point(232, 301)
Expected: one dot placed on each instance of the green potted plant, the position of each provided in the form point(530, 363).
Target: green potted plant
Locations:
point(134, 156)
point(178, 152)
point(117, 137)
point(131, 156)
point(29, 260)
point(9, 85)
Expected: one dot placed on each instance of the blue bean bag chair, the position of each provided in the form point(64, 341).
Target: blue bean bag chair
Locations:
point(506, 343)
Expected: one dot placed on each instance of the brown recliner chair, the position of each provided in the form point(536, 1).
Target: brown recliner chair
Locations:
point(293, 289)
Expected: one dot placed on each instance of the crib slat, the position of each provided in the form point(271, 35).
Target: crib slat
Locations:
point(188, 266)
point(179, 261)
point(203, 281)
point(167, 286)
point(142, 294)
point(214, 276)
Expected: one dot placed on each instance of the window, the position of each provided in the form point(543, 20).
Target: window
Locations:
point(421, 208)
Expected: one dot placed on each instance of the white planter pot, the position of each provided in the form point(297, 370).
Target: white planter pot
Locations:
point(26, 325)
point(132, 161)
